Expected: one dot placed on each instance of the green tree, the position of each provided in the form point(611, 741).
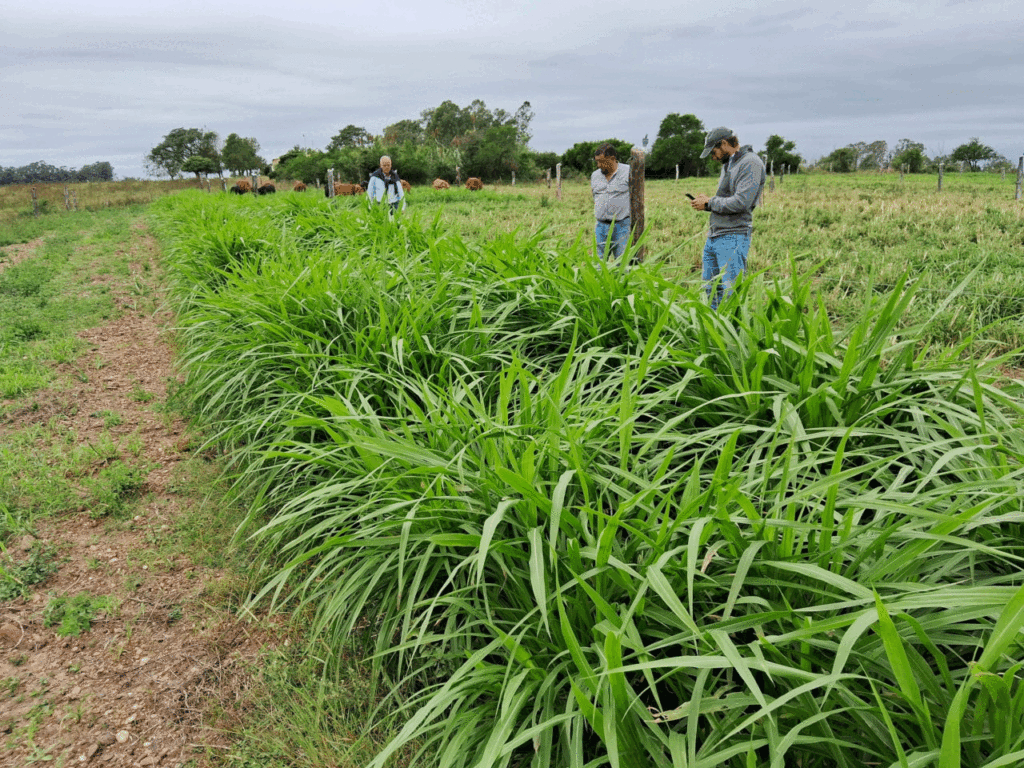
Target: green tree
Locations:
point(404, 131)
point(780, 152)
point(580, 156)
point(910, 154)
point(522, 119)
point(679, 142)
point(842, 160)
point(241, 154)
point(874, 155)
point(350, 136)
point(198, 164)
point(497, 153)
point(447, 122)
point(178, 146)
point(974, 153)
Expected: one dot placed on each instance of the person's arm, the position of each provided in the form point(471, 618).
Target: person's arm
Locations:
point(744, 196)
point(375, 189)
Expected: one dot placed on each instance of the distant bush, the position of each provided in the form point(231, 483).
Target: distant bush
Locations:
point(40, 172)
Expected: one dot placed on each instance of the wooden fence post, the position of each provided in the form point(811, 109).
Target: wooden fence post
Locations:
point(677, 173)
point(223, 182)
point(67, 198)
point(558, 175)
point(35, 202)
point(458, 176)
point(637, 167)
point(940, 177)
point(902, 170)
point(548, 174)
point(513, 178)
point(771, 178)
point(1020, 176)
point(255, 182)
point(330, 182)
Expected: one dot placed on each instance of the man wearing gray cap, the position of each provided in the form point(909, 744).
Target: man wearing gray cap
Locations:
point(739, 189)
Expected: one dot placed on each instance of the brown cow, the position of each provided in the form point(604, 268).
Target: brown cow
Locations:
point(474, 183)
point(441, 184)
point(298, 187)
point(406, 185)
point(241, 187)
point(346, 189)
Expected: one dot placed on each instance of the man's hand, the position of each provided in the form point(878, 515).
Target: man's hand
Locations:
point(700, 203)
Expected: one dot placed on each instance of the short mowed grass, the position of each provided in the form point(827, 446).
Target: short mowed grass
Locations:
point(570, 516)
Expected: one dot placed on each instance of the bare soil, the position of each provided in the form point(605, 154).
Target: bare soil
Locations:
point(144, 685)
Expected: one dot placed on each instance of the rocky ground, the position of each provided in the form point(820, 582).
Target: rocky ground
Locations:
point(144, 684)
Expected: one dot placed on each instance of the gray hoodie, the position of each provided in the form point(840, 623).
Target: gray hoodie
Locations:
point(739, 190)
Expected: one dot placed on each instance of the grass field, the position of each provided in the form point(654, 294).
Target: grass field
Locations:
point(574, 517)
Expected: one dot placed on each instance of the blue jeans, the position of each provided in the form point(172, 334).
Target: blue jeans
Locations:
point(619, 235)
point(725, 258)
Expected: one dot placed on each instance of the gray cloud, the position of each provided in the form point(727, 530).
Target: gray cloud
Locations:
point(77, 87)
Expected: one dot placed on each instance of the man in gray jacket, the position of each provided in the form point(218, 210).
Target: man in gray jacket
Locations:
point(739, 190)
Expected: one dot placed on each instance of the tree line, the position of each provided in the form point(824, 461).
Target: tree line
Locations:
point(443, 142)
point(910, 155)
point(43, 173)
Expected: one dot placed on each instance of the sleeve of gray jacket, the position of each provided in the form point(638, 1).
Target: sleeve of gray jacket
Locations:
point(748, 183)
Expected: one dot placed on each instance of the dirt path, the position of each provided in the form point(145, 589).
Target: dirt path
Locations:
point(139, 686)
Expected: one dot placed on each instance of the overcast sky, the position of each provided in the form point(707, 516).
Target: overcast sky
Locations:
point(108, 79)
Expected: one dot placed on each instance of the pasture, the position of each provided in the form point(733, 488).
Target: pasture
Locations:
point(573, 517)
point(579, 518)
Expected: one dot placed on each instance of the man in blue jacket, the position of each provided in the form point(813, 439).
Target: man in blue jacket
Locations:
point(731, 209)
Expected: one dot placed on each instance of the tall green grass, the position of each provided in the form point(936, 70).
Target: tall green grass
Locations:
point(585, 520)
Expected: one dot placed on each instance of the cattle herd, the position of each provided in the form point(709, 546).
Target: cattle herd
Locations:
point(244, 187)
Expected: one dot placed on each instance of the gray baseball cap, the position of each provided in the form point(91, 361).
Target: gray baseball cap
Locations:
point(714, 136)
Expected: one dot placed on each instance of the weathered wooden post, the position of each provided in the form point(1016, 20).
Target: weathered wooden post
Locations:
point(771, 178)
point(458, 176)
point(330, 182)
point(902, 169)
point(1004, 175)
point(637, 167)
point(940, 176)
point(548, 174)
point(255, 182)
point(677, 173)
point(1020, 176)
point(35, 202)
point(67, 198)
point(513, 178)
point(558, 176)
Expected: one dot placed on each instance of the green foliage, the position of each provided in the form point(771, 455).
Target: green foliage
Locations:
point(780, 152)
point(350, 136)
point(974, 153)
point(74, 615)
point(842, 160)
point(403, 131)
point(580, 157)
point(198, 164)
point(911, 155)
point(17, 577)
point(679, 142)
point(114, 488)
point(241, 154)
point(169, 156)
point(592, 521)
